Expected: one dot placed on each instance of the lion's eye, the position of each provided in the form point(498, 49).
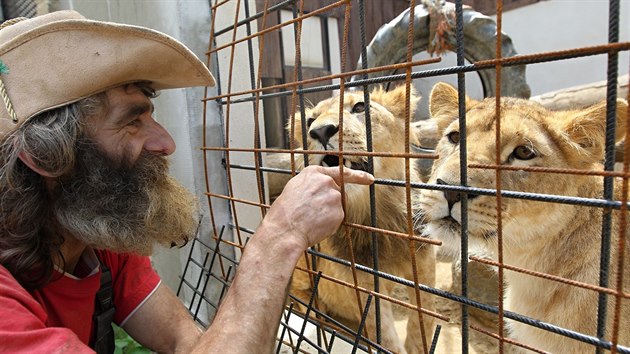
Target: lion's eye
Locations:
point(358, 107)
point(524, 152)
point(453, 137)
point(309, 122)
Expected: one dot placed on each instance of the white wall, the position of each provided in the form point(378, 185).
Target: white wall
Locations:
point(235, 76)
point(554, 25)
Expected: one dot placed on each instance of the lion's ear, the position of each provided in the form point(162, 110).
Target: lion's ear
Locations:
point(443, 98)
point(394, 100)
point(425, 132)
point(587, 128)
point(443, 105)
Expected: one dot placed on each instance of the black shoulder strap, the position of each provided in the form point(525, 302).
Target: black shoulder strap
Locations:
point(103, 333)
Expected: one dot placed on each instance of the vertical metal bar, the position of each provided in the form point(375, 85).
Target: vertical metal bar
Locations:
point(287, 316)
point(183, 276)
point(283, 99)
point(412, 248)
point(192, 247)
point(212, 42)
point(203, 266)
point(228, 107)
point(208, 274)
point(436, 335)
point(609, 164)
point(498, 72)
point(461, 88)
point(333, 335)
point(308, 310)
point(256, 104)
point(297, 35)
point(225, 285)
point(214, 257)
point(370, 169)
point(342, 88)
point(621, 249)
point(366, 309)
point(297, 31)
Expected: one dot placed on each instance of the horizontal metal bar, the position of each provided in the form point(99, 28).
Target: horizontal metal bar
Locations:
point(550, 198)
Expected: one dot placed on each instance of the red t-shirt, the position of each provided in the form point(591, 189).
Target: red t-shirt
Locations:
point(58, 317)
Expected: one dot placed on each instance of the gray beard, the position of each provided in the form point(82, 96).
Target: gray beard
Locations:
point(121, 207)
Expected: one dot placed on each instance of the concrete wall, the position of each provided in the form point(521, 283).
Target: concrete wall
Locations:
point(235, 75)
point(180, 110)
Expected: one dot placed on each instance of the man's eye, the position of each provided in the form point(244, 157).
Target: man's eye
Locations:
point(134, 123)
point(358, 107)
point(453, 137)
point(524, 152)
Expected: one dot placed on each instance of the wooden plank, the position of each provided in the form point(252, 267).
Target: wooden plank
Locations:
point(272, 62)
point(377, 13)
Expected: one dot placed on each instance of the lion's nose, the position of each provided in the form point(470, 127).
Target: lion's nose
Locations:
point(324, 133)
point(453, 197)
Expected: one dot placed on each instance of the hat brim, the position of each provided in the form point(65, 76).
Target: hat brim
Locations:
point(62, 62)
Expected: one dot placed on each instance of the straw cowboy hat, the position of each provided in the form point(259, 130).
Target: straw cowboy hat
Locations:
point(59, 58)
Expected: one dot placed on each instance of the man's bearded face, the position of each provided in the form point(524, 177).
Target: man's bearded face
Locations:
point(124, 207)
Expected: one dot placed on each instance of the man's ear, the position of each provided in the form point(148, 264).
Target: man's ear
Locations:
point(27, 159)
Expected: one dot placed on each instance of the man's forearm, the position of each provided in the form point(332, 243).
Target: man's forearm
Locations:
point(248, 318)
point(308, 210)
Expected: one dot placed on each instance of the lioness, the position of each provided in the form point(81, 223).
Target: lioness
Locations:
point(388, 129)
point(558, 239)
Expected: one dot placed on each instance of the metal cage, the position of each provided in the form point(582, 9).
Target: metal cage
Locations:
point(212, 263)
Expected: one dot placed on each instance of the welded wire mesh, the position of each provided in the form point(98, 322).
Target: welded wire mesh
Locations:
point(316, 328)
point(18, 8)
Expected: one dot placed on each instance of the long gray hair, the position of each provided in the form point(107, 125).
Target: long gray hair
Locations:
point(28, 243)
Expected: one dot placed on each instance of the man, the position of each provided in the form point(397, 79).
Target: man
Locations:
point(84, 185)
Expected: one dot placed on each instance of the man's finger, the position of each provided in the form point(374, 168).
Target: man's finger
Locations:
point(349, 175)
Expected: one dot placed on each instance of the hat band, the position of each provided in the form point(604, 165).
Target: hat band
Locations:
point(7, 102)
point(5, 70)
point(12, 21)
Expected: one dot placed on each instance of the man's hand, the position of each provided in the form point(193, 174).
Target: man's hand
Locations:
point(308, 210)
point(310, 204)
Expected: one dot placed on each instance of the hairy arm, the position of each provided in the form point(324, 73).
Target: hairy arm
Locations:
point(163, 324)
point(308, 210)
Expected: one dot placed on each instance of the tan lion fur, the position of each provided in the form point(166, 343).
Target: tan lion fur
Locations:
point(387, 111)
point(558, 239)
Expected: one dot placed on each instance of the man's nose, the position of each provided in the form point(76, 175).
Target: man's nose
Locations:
point(159, 141)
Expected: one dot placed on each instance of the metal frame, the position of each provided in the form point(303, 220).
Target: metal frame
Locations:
point(217, 270)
